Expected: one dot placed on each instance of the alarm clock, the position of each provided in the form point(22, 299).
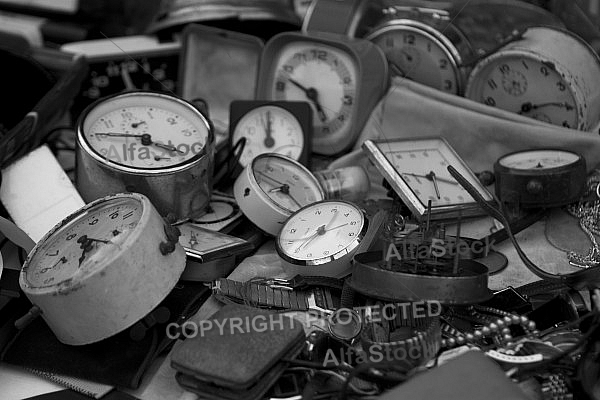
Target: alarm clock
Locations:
point(138, 62)
point(548, 74)
point(341, 77)
point(272, 187)
point(283, 127)
point(102, 268)
point(417, 171)
point(146, 142)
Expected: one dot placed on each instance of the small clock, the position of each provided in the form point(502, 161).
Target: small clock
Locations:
point(423, 45)
point(548, 74)
point(321, 238)
point(272, 187)
point(222, 214)
point(139, 62)
point(341, 77)
point(102, 268)
point(417, 171)
point(283, 127)
point(540, 177)
point(147, 142)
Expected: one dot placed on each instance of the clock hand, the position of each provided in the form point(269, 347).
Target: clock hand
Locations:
point(312, 95)
point(529, 106)
point(146, 140)
point(269, 141)
point(63, 260)
point(335, 227)
point(320, 231)
point(273, 179)
point(136, 124)
point(436, 177)
point(431, 177)
point(285, 189)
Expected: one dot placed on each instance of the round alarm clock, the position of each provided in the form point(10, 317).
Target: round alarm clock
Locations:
point(548, 74)
point(272, 187)
point(540, 178)
point(321, 238)
point(341, 77)
point(146, 142)
point(423, 45)
point(102, 268)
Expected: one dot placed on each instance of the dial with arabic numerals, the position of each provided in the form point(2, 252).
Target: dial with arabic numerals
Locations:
point(547, 74)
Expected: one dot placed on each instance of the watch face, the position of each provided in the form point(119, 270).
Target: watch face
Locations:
point(419, 53)
point(322, 231)
point(286, 182)
point(524, 85)
point(323, 75)
point(151, 72)
point(269, 129)
point(538, 160)
point(143, 130)
point(83, 242)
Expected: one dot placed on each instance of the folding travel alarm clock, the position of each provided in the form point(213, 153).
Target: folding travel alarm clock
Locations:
point(147, 142)
point(341, 77)
point(102, 268)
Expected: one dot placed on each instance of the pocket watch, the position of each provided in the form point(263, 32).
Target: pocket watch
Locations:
point(146, 142)
point(272, 187)
point(423, 45)
point(321, 238)
point(548, 74)
point(102, 268)
point(341, 77)
point(125, 63)
point(283, 127)
point(417, 171)
point(540, 177)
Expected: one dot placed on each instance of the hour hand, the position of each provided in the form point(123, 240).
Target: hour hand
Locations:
point(431, 177)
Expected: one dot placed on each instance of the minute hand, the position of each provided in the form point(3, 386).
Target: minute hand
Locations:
point(312, 95)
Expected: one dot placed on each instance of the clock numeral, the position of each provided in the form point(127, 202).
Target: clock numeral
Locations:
point(443, 63)
point(346, 215)
point(448, 84)
point(127, 215)
point(48, 280)
point(319, 54)
point(293, 230)
point(525, 65)
point(326, 252)
point(126, 115)
point(172, 121)
point(295, 177)
point(187, 132)
point(114, 215)
point(492, 84)
point(288, 68)
point(429, 47)
point(301, 56)
point(53, 254)
point(71, 236)
point(347, 80)
point(93, 222)
point(409, 39)
point(351, 234)
point(108, 123)
point(318, 212)
point(348, 100)
point(280, 86)
point(112, 70)
point(504, 68)
point(100, 81)
point(309, 255)
point(544, 70)
point(561, 86)
point(353, 222)
point(490, 101)
point(342, 117)
point(325, 129)
point(333, 210)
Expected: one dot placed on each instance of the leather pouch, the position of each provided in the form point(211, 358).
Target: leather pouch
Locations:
point(237, 354)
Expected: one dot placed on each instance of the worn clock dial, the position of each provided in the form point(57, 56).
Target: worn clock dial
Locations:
point(418, 55)
point(322, 75)
point(76, 248)
point(322, 231)
point(528, 87)
point(538, 159)
point(149, 133)
point(269, 129)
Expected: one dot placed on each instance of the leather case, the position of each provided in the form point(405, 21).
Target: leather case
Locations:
point(237, 354)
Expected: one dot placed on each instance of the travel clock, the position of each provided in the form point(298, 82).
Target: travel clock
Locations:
point(549, 74)
point(417, 171)
point(102, 268)
point(146, 142)
point(540, 177)
point(283, 127)
point(272, 187)
point(341, 77)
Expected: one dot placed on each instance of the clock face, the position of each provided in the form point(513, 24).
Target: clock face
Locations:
point(83, 242)
point(322, 231)
point(527, 86)
point(152, 72)
point(285, 182)
point(419, 55)
point(269, 129)
point(144, 130)
point(538, 160)
point(323, 75)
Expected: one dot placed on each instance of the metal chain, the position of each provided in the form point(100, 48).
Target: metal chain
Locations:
point(589, 218)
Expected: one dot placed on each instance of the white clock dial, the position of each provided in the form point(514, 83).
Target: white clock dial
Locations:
point(529, 87)
point(420, 56)
point(322, 232)
point(323, 75)
point(538, 159)
point(269, 129)
point(147, 132)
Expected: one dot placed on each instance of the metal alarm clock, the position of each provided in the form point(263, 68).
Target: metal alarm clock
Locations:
point(147, 142)
point(548, 74)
